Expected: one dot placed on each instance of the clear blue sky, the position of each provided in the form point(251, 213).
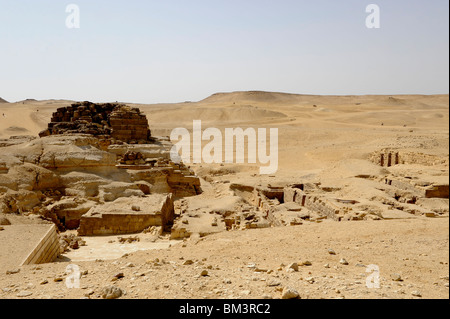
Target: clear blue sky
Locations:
point(177, 50)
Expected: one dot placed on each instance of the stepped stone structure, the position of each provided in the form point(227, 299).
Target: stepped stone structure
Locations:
point(110, 120)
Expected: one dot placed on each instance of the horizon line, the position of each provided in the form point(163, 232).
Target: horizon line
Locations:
point(229, 92)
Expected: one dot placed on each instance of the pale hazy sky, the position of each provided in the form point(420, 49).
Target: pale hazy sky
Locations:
point(178, 50)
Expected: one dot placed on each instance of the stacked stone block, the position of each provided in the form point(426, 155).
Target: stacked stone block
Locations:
point(109, 120)
point(128, 124)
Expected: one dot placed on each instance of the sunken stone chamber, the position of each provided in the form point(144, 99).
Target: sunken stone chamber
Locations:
point(128, 215)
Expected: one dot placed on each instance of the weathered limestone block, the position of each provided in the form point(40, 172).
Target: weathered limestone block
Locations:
point(157, 177)
point(153, 150)
point(145, 187)
point(82, 184)
point(19, 201)
point(437, 191)
point(77, 159)
point(70, 210)
point(128, 124)
point(29, 177)
point(119, 217)
point(114, 190)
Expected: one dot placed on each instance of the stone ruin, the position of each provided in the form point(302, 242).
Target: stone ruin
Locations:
point(110, 120)
point(95, 169)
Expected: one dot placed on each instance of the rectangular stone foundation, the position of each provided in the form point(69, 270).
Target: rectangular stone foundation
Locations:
point(127, 216)
point(313, 203)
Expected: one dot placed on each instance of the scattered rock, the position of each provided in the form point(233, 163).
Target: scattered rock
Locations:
point(331, 252)
point(416, 293)
point(290, 293)
point(293, 266)
point(204, 273)
point(4, 221)
point(343, 261)
point(128, 240)
point(245, 292)
point(396, 277)
point(12, 271)
point(112, 292)
point(118, 276)
point(306, 263)
point(273, 283)
point(24, 293)
point(188, 262)
point(257, 269)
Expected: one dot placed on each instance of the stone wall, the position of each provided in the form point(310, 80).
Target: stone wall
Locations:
point(46, 250)
point(312, 202)
point(128, 124)
point(437, 191)
point(128, 216)
point(389, 157)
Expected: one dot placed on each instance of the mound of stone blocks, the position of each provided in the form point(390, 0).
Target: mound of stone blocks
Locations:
point(128, 215)
point(109, 120)
point(128, 124)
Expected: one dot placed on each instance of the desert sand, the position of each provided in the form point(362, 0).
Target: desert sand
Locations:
point(330, 143)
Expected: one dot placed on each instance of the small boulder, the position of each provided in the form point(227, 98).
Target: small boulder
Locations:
point(112, 292)
point(290, 293)
point(293, 266)
point(343, 261)
point(4, 221)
